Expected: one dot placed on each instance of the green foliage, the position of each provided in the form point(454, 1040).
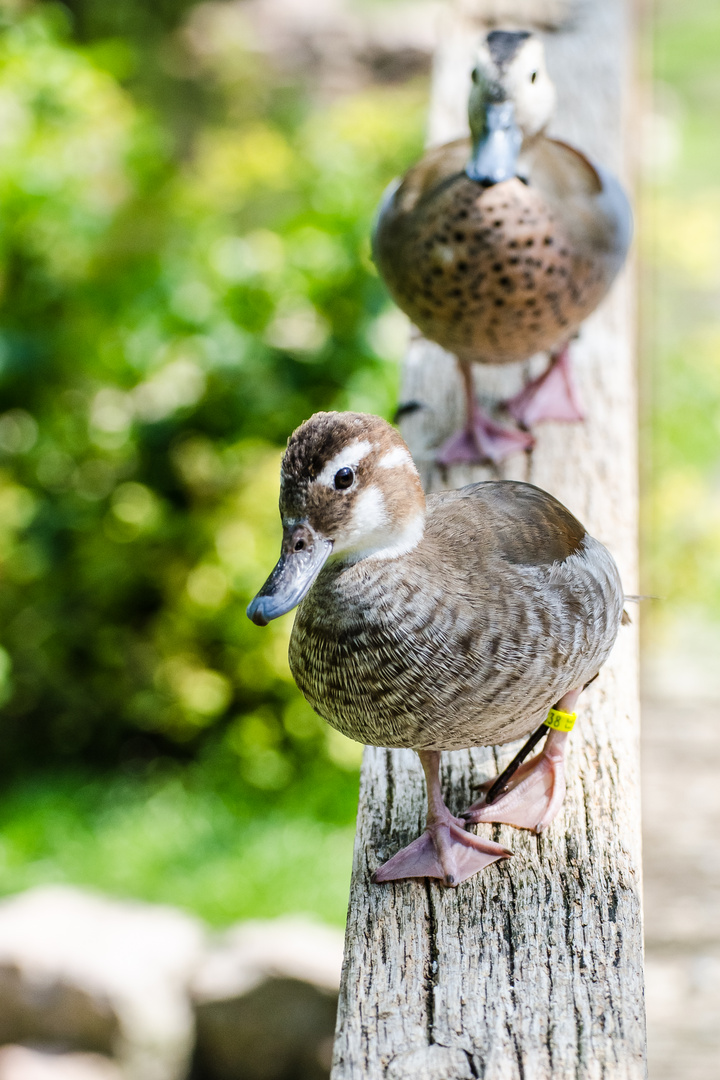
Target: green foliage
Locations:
point(172, 307)
point(189, 836)
point(680, 235)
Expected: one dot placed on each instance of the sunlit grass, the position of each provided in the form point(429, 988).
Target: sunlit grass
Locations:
point(183, 837)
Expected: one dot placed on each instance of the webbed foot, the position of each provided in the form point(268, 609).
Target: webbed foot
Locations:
point(482, 440)
point(552, 396)
point(446, 850)
point(534, 794)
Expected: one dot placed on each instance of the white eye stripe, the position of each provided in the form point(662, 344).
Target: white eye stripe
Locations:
point(349, 457)
point(396, 458)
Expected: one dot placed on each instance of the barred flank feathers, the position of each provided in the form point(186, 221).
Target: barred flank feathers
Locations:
point(468, 640)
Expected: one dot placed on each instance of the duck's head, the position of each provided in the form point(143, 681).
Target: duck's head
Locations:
point(348, 490)
point(511, 100)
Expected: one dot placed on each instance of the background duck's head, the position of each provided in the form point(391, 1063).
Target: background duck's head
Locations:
point(511, 99)
point(348, 488)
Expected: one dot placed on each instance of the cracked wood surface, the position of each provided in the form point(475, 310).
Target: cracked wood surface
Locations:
point(532, 970)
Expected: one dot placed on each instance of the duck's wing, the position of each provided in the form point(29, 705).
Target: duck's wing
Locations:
point(516, 523)
point(439, 165)
point(562, 170)
point(588, 198)
point(519, 564)
point(614, 205)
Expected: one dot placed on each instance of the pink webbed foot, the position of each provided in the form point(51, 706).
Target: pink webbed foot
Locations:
point(446, 850)
point(481, 440)
point(552, 396)
point(534, 794)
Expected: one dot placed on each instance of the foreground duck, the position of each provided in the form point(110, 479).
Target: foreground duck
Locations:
point(437, 623)
point(499, 246)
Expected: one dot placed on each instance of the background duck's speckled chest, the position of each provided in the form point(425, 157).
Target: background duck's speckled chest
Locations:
point(493, 273)
point(436, 650)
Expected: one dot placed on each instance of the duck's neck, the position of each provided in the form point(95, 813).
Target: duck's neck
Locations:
point(383, 529)
point(398, 543)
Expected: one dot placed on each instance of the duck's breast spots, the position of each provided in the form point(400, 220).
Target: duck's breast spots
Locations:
point(488, 272)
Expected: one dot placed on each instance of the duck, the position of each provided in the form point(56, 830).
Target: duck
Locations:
point(439, 622)
point(498, 246)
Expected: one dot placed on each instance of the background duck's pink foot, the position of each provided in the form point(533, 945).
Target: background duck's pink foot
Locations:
point(534, 794)
point(482, 440)
point(446, 850)
point(552, 396)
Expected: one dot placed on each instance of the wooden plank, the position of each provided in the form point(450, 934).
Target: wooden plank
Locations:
point(532, 969)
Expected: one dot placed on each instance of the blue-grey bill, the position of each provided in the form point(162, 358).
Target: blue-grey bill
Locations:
point(495, 156)
point(289, 582)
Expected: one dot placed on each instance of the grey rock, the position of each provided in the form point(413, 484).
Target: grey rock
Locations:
point(24, 1063)
point(265, 1002)
point(82, 972)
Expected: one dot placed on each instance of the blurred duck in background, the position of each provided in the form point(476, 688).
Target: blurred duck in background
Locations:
point(498, 246)
point(459, 619)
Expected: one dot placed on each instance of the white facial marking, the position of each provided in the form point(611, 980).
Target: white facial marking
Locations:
point(368, 524)
point(401, 543)
point(369, 513)
point(350, 455)
point(397, 458)
point(372, 534)
point(533, 97)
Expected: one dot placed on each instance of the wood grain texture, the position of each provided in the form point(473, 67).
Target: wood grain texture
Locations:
point(533, 969)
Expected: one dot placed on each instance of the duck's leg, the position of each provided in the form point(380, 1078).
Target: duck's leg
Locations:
point(446, 850)
point(552, 396)
point(535, 792)
point(482, 439)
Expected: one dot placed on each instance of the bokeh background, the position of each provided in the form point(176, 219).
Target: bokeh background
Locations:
point(186, 193)
point(679, 247)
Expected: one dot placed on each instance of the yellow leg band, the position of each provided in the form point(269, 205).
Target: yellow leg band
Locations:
point(561, 721)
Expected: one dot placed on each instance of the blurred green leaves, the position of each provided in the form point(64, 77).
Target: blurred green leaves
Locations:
point(680, 241)
point(176, 298)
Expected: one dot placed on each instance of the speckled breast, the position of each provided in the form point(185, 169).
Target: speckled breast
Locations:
point(395, 663)
point(489, 273)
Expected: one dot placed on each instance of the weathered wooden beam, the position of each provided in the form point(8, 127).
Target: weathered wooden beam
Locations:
point(532, 969)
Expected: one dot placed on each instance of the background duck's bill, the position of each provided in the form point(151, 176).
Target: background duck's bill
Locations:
point(289, 582)
point(495, 157)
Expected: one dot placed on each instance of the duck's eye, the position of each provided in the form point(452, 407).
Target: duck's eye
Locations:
point(344, 478)
point(533, 77)
point(299, 545)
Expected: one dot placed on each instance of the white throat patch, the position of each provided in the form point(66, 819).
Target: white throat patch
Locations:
point(371, 534)
point(400, 543)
